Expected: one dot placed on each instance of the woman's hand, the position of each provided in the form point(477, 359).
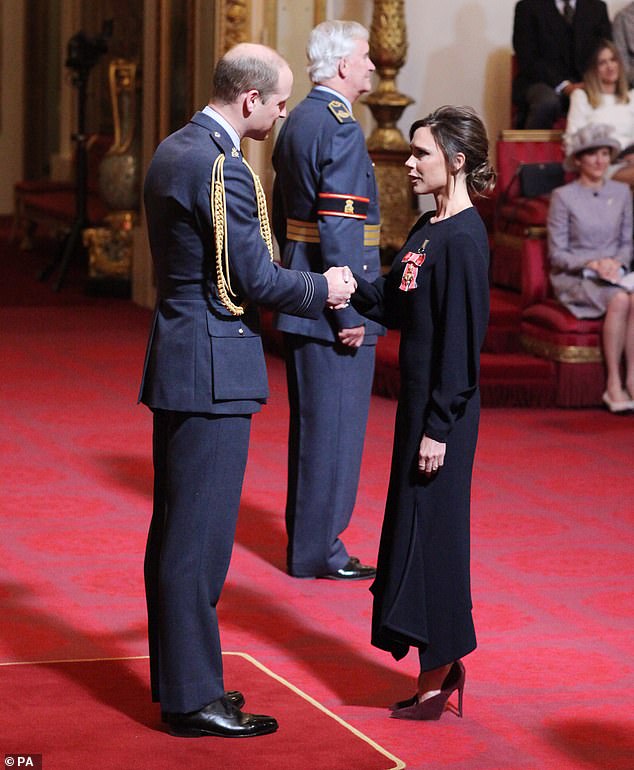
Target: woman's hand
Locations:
point(431, 456)
point(608, 268)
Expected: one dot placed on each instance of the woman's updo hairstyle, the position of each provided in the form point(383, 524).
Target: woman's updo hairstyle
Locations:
point(460, 130)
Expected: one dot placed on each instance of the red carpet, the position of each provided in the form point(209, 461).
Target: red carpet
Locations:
point(116, 727)
point(550, 686)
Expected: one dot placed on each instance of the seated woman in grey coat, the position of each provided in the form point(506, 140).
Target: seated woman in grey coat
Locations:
point(590, 250)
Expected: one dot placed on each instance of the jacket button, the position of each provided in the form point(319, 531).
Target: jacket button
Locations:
point(240, 330)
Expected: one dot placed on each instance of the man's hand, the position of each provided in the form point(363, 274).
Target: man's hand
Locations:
point(352, 337)
point(341, 286)
point(570, 87)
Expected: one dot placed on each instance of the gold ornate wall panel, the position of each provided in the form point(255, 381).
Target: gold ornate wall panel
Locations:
point(388, 47)
point(387, 146)
point(233, 23)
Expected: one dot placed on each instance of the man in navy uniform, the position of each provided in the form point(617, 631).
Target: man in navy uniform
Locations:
point(205, 376)
point(325, 213)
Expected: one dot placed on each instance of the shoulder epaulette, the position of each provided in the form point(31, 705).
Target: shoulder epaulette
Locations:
point(340, 111)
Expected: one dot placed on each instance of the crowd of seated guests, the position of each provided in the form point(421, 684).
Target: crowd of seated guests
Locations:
point(568, 66)
point(553, 42)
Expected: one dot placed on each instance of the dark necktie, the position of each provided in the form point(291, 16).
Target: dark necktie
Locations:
point(569, 11)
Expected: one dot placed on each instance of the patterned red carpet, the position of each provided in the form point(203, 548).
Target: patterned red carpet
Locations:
point(550, 686)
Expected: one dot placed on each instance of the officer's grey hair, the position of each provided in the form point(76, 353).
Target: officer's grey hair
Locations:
point(329, 42)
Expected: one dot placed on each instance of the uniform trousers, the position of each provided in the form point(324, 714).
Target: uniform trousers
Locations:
point(199, 464)
point(329, 389)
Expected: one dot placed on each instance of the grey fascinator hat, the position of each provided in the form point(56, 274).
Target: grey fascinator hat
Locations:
point(590, 137)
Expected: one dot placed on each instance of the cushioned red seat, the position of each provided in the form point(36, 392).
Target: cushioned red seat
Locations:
point(525, 211)
point(60, 206)
point(517, 217)
point(53, 203)
point(549, 330)
point(552, 315)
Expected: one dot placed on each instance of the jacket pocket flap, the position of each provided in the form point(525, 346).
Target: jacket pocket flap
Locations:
point(238, 369)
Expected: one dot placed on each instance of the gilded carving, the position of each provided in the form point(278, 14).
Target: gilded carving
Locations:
point(119, 173)
point(110, 248)
point(388, 46)
point(389, 43)
point(566, 354)
point(234, 16)
point(398, 213)
point(387, 146)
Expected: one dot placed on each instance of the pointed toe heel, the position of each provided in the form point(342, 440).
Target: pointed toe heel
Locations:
point(401, 704)
point(427, 710)
point(432, 709)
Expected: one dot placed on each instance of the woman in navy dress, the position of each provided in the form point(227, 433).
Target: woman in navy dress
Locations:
point(437, 293)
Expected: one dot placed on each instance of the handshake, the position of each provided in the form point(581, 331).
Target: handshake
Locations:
point(341, 286)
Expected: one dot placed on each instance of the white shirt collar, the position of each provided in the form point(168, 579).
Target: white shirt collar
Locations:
point(336, 93)
point(560, 5)
point(233, 134)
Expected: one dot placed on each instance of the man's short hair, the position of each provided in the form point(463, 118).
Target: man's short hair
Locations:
point(329, 42)
point(238, 72)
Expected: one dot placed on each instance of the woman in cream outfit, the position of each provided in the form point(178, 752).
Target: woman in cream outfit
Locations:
point(605, 99)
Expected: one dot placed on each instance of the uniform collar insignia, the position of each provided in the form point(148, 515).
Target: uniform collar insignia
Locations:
point(339, 110)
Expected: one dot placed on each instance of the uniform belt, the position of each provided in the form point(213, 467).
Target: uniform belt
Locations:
point(308, 232)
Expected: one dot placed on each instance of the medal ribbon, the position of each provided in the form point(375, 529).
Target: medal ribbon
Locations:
point(413, 260)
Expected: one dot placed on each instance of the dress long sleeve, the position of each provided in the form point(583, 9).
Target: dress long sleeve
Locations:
point(464, 312)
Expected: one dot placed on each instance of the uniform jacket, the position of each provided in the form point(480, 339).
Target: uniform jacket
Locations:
point(200, 357)
point(539, 41)
point(321, 153)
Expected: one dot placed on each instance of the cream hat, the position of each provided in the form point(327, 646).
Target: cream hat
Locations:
point(590, 137)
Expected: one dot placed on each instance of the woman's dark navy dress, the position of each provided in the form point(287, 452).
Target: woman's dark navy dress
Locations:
point(422, 592)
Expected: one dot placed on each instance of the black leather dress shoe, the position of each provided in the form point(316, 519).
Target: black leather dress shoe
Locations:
point(222, 719)
point(353, 570)
point(234, 697)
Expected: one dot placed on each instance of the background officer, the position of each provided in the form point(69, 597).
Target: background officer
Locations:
point(325, 213)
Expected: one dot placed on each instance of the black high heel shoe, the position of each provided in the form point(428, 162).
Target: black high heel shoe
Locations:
point(433, 708)
point(401, 704)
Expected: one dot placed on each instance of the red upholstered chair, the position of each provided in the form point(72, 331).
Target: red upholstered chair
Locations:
point(550, 331)
point(517, 217)
point(52, 203)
